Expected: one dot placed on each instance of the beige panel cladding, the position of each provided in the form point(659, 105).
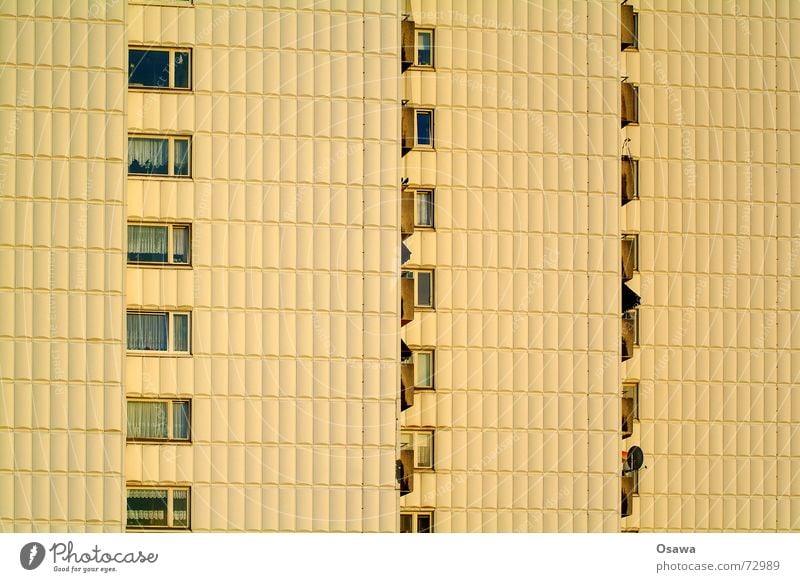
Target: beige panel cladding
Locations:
point(62, 100)
point(525, 253)
point(718, 268)
point(293, 289)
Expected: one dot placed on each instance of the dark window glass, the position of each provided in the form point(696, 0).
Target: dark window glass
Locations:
point(147, 507)
point(424, 134)
point(148, 68)
point(182, 70)
point(424, 288)
point(405, 523)
point(423, 524)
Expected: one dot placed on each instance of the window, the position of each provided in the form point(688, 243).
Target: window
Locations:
point(423, 366)
point(424, 48)
point(630, 255)
point(629, 27)
point(159, 420)
point(416, 522)
point(162, 507)
point(158, 331)
point(630, 180)
point(159, 156)
point(160, 244)
point(629, 107)
point(421, 442)
point(423, 129)
point(150, 68)
point(423, 215)
point(424, 288)
point(630, 332)
point(630, 408)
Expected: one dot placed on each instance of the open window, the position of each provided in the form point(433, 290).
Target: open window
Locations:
point(629, 27)
point(630, 255)
point(159, 68)
point(417, 128)
point(629, 188)
point(629, 112)
point(417, 49)
point(158, 508)
point(159, 420)
point(159, 244)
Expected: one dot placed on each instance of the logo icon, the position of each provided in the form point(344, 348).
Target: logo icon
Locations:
point(31, 555)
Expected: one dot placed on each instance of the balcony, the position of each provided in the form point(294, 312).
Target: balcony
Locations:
point(629, 107)
point(406, 298)
point(630, 332)
point(630, 252)
point(406, 377)
point(629, 188)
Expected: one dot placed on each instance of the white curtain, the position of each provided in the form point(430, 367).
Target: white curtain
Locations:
point(180, 508)
point(147, 331)
point(147, 420)
point(181, 334)
point(181, 157)
point(180, 244)
point(423, 369)
point(424, 208)
point(147, 243)
point(147, 507)
point(180, 420)
point(147, 155)
point(424, 450)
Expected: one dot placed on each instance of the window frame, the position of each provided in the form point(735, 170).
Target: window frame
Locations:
point(171, 82)
point(171, 228)
point(170, 525)
point(170, 438)
point(416, 354)
point(170, 351)
point(414, 434)
point(417, 204)
point(414, 515)
point(171, 139)
point(431, 303)
point(417, 32)
point(422, 111)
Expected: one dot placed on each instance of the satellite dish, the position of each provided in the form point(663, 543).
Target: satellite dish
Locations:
point(635, 459)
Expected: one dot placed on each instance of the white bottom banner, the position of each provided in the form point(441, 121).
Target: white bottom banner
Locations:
point(399, 557)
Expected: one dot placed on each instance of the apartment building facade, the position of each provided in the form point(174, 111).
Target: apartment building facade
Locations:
point(410, 266)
